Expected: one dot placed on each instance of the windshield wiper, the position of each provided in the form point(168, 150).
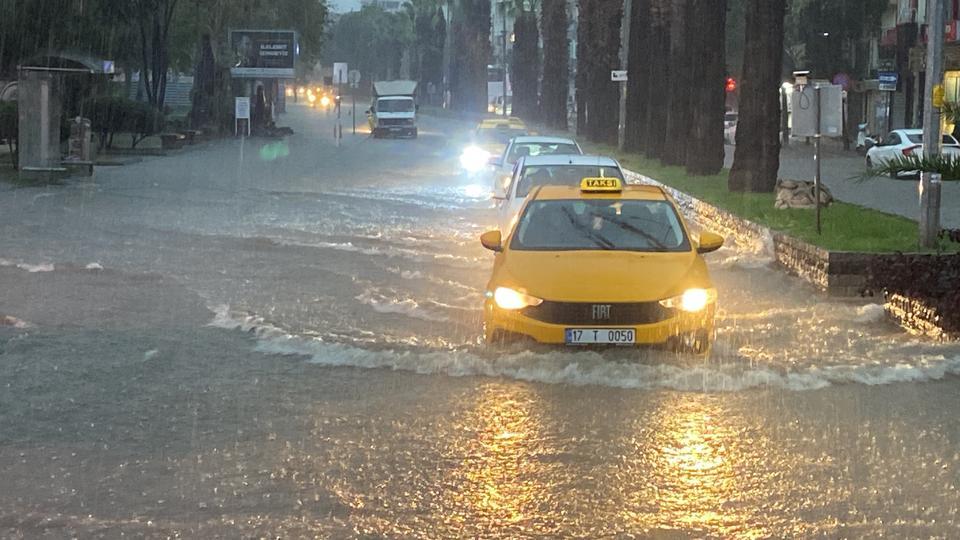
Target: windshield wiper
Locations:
point(627, 227)
point(599, 240)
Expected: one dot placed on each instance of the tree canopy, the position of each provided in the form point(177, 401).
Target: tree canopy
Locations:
point(372, 41)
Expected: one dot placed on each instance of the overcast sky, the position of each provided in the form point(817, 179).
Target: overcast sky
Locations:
point(343, 6)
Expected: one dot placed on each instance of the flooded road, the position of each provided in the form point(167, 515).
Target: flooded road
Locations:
point(282, 338)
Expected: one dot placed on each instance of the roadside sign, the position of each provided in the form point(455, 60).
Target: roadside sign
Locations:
point(340, 73)
point(804, 104)
point(354, 76)
point(618, 75)
point(888, 81)
point(263, 53)
point(242, 108)
point(241, 111)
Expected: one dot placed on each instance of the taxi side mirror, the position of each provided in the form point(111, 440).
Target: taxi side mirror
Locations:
point(709, 242)
point(492, 241)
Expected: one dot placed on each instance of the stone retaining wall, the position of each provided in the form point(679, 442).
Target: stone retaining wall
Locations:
point(917, 317)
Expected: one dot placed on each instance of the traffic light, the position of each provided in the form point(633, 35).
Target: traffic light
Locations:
point(730, 85)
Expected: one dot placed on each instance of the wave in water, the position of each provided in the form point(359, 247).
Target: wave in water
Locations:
point(581, 368)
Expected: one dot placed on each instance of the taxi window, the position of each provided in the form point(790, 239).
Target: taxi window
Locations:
point(561, 175)
point(519, 150)
point(601, 224)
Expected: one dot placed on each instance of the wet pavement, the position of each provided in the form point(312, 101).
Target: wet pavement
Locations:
point(281, 339)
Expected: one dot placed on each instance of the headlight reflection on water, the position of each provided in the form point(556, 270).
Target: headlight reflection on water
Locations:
point(700, 472)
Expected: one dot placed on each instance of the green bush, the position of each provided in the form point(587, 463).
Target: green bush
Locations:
point(9, 126)
point(109, 115)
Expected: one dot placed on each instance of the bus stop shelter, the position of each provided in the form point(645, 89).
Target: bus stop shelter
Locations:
point(40, 105)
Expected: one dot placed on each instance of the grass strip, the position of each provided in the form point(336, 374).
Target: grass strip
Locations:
point(846, 227)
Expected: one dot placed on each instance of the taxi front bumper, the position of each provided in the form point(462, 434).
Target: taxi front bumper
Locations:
point(500, 323)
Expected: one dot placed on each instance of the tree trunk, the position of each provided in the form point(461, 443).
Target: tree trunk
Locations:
point(581, 77)
point(555, 86)
point(707, 43)
point(471, 54)
point(638, 83)
point(525, 67)
point(653, 140)
point(600, 29)
point(678, 87)
point(757, 156)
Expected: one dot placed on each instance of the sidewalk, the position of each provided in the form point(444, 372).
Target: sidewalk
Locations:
point(841, 172)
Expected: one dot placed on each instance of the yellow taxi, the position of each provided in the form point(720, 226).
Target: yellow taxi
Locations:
point(601, 264)
point(489, 140)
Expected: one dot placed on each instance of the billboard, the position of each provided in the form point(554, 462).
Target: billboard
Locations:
point(263, 53)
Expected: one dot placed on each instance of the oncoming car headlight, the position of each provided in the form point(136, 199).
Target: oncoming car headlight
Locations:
point(474, 159)
point(692, 300)
point(325, 101)
point(511, 299)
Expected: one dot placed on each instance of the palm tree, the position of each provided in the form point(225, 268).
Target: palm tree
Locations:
point(757, 157)
point(598, 53)
point(470, 53)
point(639, 83)
point(554, 88)
point(525, 65)
point(427, 50)
point(707, 41)
point(678, 85)
point(652, 140)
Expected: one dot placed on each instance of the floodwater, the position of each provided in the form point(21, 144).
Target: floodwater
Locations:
point(261, 338)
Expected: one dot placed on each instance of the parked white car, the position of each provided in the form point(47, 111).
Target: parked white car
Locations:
point(557, 170)
point(529, 145)
point(904, 143)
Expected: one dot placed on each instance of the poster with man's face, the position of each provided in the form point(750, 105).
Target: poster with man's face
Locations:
point(263, 53)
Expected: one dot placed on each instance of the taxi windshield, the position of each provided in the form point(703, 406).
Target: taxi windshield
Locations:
point(498, 135)
point(562, 175)
point(600, 224)
point(521, 149)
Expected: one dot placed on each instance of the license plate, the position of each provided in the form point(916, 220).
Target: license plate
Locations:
point(601, 336)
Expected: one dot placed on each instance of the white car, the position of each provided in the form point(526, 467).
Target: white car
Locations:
point(556, 170)
point(904, 143)
point(529, 145)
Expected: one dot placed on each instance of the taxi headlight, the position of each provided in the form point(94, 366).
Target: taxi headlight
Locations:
point(511, 299)
point(691, 301)
point(474, 159)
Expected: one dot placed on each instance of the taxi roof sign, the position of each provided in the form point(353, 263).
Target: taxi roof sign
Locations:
point(601, 185)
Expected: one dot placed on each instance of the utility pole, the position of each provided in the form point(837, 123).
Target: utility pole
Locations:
point(503, 58)
point(930, 182)
point(817, 178)
point(624, 61)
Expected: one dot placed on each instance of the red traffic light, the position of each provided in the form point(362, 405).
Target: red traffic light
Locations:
point(730, 85)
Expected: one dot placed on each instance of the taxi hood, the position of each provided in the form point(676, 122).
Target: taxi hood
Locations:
point(603, 276)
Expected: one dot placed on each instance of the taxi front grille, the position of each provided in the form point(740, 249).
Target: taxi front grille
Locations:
point(598, 314)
